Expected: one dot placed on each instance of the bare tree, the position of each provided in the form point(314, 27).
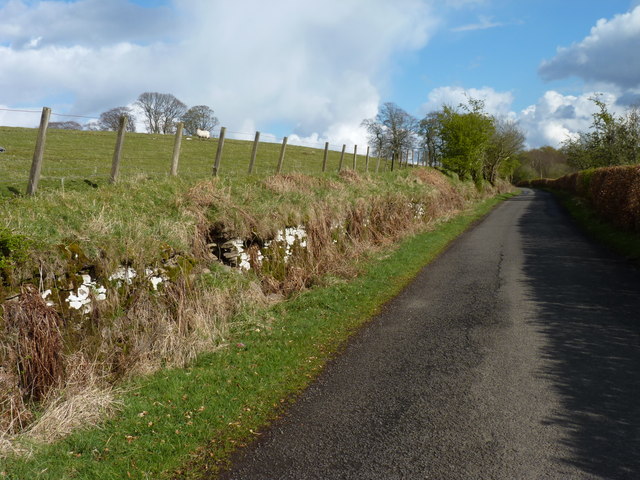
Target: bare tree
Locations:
point(199, 117)
point(430, 138)
point(376, 136)
point(161, 110)
point(110, 120)
point(506, 143)
point(392, 131)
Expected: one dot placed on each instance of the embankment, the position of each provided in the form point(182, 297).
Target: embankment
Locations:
point(100, 288)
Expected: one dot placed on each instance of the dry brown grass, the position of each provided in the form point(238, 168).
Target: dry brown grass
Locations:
point(293, 182)
point(36, 343)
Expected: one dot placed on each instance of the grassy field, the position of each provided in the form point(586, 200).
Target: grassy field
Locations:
point(182, 423)
point(78, 160)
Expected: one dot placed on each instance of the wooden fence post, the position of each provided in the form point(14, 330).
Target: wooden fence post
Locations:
point(254, 151)
point(36, 164)
point(281, 159)
point(393, 160)
point(176, 149)
point(366, 161)
point(341, 158)
point(355, 155)
point(117, 153)
point(216, 166)
point(326, 155)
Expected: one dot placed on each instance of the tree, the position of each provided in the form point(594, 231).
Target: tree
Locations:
point(199, 117)
point(392, 131)
point(376, 136)
point(110, 120)
point(612, 140)
point(161, 110)
point(465, 138)
point(505, 144)
point(66, 125)
point(430, 138)
point(543, 162)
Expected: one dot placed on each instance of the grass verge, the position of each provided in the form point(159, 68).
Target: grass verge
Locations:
point(184, 422)
point(620, 241)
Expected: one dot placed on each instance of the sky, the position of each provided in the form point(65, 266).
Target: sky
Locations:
point(313, 70)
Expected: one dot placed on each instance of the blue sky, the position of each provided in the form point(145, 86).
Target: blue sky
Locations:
point(313, 70)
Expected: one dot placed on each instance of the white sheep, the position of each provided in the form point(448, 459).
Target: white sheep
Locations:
point(202, 133)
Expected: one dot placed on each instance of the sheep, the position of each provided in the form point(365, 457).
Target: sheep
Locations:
point(202, 133)
point(2, 149)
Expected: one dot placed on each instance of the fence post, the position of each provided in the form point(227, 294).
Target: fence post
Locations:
point(117, 153)
point(341, 158)
point(36, 164)
point(281, 159)
point(355, 155)
point(176, 149)
point(393, 160)
point(366, 161)
point(326, 155)
point(216, 166)
point(378, 163)
point(254, 151)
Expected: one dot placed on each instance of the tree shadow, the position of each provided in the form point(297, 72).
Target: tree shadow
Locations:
point(588, 307)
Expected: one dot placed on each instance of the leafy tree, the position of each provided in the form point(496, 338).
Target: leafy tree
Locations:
point(110, 120)
point(199, 117)
point(612, 140)
point(465, 138)
point(471, 143)
point(392, 131)
point(161, 111)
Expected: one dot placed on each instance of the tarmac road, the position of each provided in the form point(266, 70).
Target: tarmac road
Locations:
point(515, 355)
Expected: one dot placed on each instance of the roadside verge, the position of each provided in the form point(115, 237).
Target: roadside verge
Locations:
point(185, 422)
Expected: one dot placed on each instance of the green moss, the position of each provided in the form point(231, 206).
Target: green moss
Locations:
point(14, 249)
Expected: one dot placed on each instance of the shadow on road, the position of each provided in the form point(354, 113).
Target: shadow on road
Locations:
point(588, 307)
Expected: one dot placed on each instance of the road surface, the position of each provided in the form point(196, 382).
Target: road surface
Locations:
point(515, 355)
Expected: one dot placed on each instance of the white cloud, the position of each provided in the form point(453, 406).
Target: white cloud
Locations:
point(21, 118)
point(496, 103)
point(609, 54)
point(313, 69)
point(556, 117)
point(84, 22)
point(483, 23)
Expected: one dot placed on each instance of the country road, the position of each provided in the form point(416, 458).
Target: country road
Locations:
point(514, 355)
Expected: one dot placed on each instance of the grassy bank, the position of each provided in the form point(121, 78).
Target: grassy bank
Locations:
point(145, 275)
point(180, 422)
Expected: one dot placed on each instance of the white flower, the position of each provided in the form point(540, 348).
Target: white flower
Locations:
point(44, 296)
point(126, 274)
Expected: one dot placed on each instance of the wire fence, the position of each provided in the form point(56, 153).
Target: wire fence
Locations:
point(48, 157)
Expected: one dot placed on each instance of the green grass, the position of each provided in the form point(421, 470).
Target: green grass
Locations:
point(190, 420)
point(623, 242)
point(81, 160)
